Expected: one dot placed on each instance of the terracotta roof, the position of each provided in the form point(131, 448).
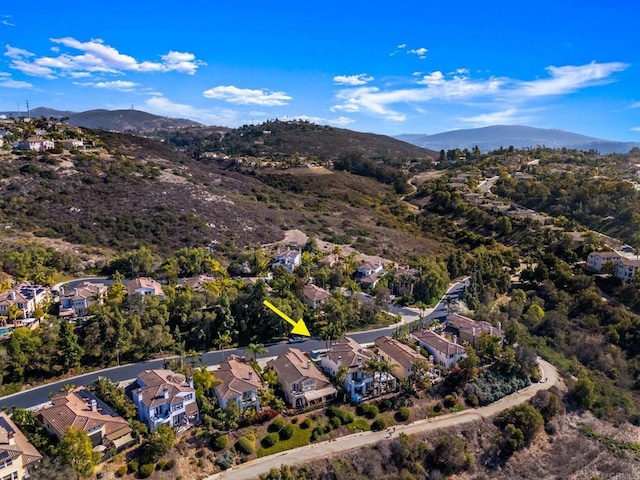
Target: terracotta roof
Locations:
point(466, 324)
point(293, 365)
point(145, 283)
point(85, 290)
point(627, 262)
point(346, 351)
point(237, 378)
point(153, 384)
point(398, 351)
point(13, 443)
point(197, 283)
point(438, 343)
point(315, 293)
point(73, 408)
point(11, 297)
point(605, 254)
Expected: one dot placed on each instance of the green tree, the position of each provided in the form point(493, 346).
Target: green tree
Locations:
point(70, 350)
point(583, 392)
point(470, 363)
point(256, 349)
point(24, 344)
point(76, 450)
point(160, 442)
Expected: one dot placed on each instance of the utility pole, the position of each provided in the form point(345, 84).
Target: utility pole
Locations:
point(18, 109)
point(28, 110)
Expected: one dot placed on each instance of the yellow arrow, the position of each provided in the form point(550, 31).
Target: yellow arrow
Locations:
point(299, 328)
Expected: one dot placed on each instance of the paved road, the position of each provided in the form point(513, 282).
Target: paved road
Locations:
point(324, 449)
point(37, 396)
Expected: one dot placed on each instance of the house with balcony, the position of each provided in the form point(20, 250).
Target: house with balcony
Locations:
point(79, 299)
point(16, 453)
point(401, 356)
point(444, 352)
point(82, 409)
point(303, 384)
point(627, 268)
point(288, 259)
point(25, 296)
point(240, 384)
point(369, 274)
point(165, 398)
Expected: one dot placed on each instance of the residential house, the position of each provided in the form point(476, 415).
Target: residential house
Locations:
point(16, 453)
point(80, 298)
point(625, 262)
point(314, 296)
point(72, 143)
point(36, 143)
point(468, 330)
point(368, 274)
point(144, 286)
point(25, 296)
point(627, 268)
point(445, 353)
point(165, 398)
point(81, 409)
point(301, 381)
point(240, 383)
point(597, 260)
point(401, 356)
point(358, 383)
point(197, 283)
point(289, 259)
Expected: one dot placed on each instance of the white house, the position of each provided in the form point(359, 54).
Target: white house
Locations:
point(36, 143)
point(82, 297)
point(289, 259)
point(144, 286)
point(627, 268)
point(596, 260)
point(165, 398)
point(313, 295)
point(368, 274)
point(72, 143)
point(444, 352)
point(240, 384)
point(25, 296)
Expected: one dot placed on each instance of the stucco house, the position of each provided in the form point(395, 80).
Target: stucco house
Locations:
point(369, 274)
point(144, 286)
point(165, 398)
point(468, 330)
point(240, 383)
point(80, 298)
point(288, 259)
point(36, 143)
point(16, 453)
point(401, 356)
point(314, 296)
point(301, 381)
point(445, 353)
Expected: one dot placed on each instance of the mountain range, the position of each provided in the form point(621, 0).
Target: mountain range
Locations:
point(494, 137)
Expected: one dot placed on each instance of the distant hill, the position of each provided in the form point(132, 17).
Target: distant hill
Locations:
point(494, 137)
point(112, 120)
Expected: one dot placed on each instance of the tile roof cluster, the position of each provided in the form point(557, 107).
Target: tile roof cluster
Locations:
point(466, 324)
point(438, 342)
point(197, 283)
point(315, 293)
point(159, 387)
point(81, 409)
point(237, 377)
point(13, 443)
point(346, 351)
point(144, 283)
point(293, 365)
point(85, 290)
point(398, 351)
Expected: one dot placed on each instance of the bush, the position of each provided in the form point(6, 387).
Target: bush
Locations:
point(132, 466)
point(368, 410)
point(403, 414)
point(251, 437)
point(169, 465)
point(245, 445)
point(335, 422)
point(378, 424)
point(277, 425)
point(146, 470)
point(294, 420)
point(450, 401)
point(220, 442)
point(270, 440)
point(225, 460)
point(306, 423)
point(161, 465)
point(287, 432)
point(122, 471)
point(316, 433)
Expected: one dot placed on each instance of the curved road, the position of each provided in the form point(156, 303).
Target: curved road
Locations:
point(39, 395)
point(342, 444)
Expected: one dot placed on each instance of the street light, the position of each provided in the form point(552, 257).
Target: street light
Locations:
point(118, 353)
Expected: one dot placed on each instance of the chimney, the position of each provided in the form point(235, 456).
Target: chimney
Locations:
point(473, 332)
point(417, 348)
point(491, 330)
point(75, 292)
point(359, 361)
point(11, 437)
point(165, 391)
point(12, 295)
point(339, 362)
point(190, 380)
point(308, 363)
point(138, 394)
point(455, 339)
point(499, 325)
point(250, 376)
point(93, 405)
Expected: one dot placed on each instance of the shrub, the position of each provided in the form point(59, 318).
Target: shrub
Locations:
point(270, 440)
point(245, 445)
point(160, 465)
point(378, 424)
point(368, 410)
point(316, 433)
point(264, 415)
point(169, 465)
point(306, 423)
point(132, 466)
point(335, 422)
point(251, 437)
point(287, 432)
point(294, 420)
point(122, 471)
point(146, 470)
point(438, 407)
point(276, 425)
point(224, 460)
point(220, 442)
point(450, 401)
point(403, 414)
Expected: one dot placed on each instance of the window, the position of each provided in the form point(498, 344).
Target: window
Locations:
point(189, 396)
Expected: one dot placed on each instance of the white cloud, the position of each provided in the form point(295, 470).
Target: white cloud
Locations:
point(635, 105)
point(119, 85)
point(7, 82)
point(161, 105)
point(402, 45)
point(636, 129)
point(462, 71)
point(6, 22)
point(569, 78)
point(246, 96)
point(434, 78)
point(96, 57)
point(420, 52)
point(353, 80)
point(509, 116)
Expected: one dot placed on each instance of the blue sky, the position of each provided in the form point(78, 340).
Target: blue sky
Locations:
point(383, 67)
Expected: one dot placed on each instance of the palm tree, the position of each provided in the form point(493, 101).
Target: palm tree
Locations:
point(224, 341)
point(13, 312)
point(384, 369)
point(331, 331)
point(370, 367)
point(256, 349)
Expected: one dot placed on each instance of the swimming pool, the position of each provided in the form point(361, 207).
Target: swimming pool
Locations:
point(4, 331)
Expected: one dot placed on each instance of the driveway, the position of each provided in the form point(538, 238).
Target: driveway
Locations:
point(315, 451)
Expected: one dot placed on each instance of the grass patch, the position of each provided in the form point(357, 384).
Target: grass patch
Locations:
point(300, 438)
point(360, 424)
point(616, 447)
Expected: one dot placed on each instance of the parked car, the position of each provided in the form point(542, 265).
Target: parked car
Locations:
point(297, 339)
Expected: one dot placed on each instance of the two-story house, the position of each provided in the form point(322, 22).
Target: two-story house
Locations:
point(468, 330)
point(288, 259)
point(347, 353)
point(314, 296)
point(401, 356)
point(240, 383)
point(445, 353)
point(144, 286)
point(16, 453)
point(369, 274)
point(165, 398)
point(25, 296)
point(627, 268)
point(36, 143)
point(597, 260)
point(80, 408)
point(80, 298)
point(301, 381)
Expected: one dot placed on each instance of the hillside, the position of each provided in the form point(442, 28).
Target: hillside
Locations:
point(126, 120)
point(494, 137)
